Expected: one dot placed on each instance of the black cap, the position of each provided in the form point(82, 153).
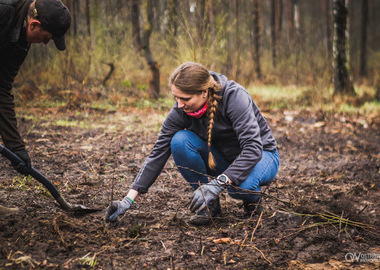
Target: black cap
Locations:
point(55, 18)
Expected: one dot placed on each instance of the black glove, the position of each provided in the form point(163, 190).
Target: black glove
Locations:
point(210, 190)
point(118, 208)
point(25, 166)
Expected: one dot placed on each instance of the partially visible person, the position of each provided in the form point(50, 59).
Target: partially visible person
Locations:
point(23, 22)
point(216, 129)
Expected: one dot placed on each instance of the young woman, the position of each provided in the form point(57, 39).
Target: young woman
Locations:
point(215, 129)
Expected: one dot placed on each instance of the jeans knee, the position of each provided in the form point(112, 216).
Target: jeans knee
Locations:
point(179, 140)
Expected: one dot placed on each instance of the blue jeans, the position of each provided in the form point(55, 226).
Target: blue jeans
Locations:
point(190, 153)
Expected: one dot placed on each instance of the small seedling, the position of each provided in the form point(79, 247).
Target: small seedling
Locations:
point(87, 260)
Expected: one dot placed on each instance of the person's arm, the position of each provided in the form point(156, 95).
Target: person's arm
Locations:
point(161, 151)
point(151, 168)
point(132, 194)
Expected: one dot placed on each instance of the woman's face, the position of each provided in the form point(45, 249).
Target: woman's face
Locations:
point(189, 102)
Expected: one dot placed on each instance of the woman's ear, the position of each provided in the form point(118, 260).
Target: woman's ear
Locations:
point(205, 93)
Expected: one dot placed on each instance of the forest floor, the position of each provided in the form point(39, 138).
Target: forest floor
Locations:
point(322, 212)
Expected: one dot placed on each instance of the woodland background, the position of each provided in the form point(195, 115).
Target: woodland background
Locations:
point(130, 47)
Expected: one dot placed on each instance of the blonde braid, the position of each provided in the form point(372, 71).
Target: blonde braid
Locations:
point(213, 99)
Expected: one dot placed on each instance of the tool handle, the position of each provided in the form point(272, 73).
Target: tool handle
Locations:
point(33, 172)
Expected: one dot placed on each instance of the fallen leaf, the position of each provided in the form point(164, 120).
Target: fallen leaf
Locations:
point(225, 240)
point(319, 124)
point(279, 185)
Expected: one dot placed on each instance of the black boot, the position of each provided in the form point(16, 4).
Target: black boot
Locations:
point(203, 217)
point(251, 209)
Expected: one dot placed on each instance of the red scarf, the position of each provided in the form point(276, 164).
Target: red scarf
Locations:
point(200, 112)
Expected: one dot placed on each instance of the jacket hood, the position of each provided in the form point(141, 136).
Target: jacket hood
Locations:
point(219, 78)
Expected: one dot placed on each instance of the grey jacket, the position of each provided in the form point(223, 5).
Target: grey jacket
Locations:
point(240, 133)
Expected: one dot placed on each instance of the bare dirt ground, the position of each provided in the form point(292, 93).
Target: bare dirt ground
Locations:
point(329, 174)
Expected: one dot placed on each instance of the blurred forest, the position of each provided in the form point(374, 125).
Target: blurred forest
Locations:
point(132, 46)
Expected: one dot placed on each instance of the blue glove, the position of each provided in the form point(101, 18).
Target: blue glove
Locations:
point(118, 208)
point(210, 191)
point(24, 167)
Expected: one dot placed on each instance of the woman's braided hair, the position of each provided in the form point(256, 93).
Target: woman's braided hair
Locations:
point(194, 78)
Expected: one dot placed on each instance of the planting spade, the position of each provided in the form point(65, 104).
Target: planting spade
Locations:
point(75, 209)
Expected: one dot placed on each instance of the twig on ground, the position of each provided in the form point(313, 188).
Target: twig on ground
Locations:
point(112, 185)
point(56, 228)
point(244, 191)
point(208, 210)
point(163, 245)
point(88, 164)
point(257, 224)
point(332, 220)
point(262, 254)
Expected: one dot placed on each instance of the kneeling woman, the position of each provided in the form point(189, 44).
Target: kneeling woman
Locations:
point(215, 129)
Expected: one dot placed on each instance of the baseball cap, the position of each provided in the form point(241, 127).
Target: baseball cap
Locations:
point(55, 18)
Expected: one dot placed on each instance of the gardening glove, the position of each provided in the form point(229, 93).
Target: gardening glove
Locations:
point(210, 191)
point(25, 166)
point(118, 208)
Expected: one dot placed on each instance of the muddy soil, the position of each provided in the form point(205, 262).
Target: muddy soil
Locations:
point(322, 211)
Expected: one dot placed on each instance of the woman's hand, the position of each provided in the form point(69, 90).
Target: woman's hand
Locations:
point(118, 208)
point(206, 192)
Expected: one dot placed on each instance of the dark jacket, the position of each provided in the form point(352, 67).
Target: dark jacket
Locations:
point(13, 50)
point(240, 133)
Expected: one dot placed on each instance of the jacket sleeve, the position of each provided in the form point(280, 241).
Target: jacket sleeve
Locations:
point(161, 152)
point(240, 110)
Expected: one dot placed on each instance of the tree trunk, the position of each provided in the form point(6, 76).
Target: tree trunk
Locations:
point(143, 43)
point(290, 19)
point(328, 28)
point(87, 12)
point(256, 37)
point(173, 17)
point(156, 15)
point(297, 18)
point(363, 39)
point(342, 82)
point(230, 46)
point(273, 32)
point(154, 83)
point(212, 28)
point(200, 21)
point(279, 12)
point(237, 41)
point(73, 11)
point(135, 14)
